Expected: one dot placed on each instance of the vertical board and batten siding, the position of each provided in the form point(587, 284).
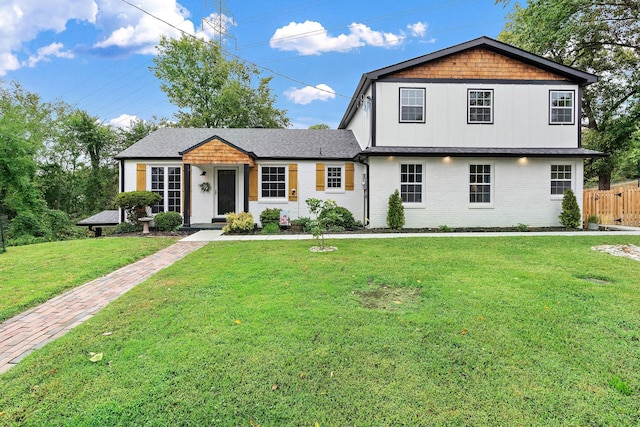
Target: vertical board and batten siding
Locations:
point(520, 194)
point(521, 108)
point(613, 207)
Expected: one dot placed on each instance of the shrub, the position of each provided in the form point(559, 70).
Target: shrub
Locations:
point(127, 227)
point(270, 216)
point(270, 228)
point(27, 223)
point(167, 221)
point(337, 217)
point(135, 203)
point(395, 214)
point(570, 216)
point(239, 223)
point(59, 224)
point(305, 222)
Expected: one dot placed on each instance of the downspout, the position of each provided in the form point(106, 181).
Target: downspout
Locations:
point(121, 187)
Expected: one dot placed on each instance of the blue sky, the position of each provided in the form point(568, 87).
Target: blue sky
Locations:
point(96, 54)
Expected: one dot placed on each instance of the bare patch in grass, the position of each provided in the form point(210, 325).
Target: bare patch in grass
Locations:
point(383, 297)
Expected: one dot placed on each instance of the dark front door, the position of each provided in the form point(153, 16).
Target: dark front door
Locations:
point(226, 191)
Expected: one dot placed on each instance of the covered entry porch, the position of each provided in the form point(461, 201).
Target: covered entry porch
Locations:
point(216, 181)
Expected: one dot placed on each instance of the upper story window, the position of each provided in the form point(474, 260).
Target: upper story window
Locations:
point(273, 182)
point(561, 105)
point(334, 178)
point(480, 106)
point(411, 183)
point(560, 179)
point(165, 181)
point(479, 183)
point(412, 105)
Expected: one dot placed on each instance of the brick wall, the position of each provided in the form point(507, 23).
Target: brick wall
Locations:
point(477, 63)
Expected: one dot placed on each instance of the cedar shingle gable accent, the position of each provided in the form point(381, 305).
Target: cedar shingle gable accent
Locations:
point(216, 151)
point(477, 63)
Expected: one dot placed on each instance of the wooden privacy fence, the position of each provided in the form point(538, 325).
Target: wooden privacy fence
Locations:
point(613, 207)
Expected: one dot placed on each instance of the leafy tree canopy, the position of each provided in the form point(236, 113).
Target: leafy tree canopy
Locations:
point(213, 91)
point(599, 37)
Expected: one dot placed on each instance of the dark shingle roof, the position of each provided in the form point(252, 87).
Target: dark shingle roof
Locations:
point(168, 143)
point(581, 153)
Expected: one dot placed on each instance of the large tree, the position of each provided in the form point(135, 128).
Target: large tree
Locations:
point(213, 91)
point(602, 37)
point(24, 126)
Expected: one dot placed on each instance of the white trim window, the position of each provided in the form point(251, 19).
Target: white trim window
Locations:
point(561, 106)
point(335, 178)
point(480, 184)
point(561, 179)
point(412, 105)
point(480, 106)
point(166, 181)
point(273, 182)
point(411, 183)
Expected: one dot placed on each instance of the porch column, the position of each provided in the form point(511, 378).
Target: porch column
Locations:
point(186, 190)
point(246, 188)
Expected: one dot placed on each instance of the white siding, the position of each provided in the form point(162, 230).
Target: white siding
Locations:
point(306, 188)
point(521, 117)
point(360, 123)
point(521, 193)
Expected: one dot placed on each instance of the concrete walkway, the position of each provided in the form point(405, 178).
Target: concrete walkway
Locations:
point(34, 328)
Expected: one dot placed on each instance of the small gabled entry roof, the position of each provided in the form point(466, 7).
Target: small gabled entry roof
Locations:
point(553, 69)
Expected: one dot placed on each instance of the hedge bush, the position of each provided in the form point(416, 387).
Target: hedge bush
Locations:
point(270, 216)
point(167, 221)
point(239, 223)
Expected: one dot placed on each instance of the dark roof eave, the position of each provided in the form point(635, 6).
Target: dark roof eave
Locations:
point(578, 153)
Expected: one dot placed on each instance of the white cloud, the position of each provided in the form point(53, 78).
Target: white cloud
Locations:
point(54, 49)
point(419, 29)
point(134, 31)
point(308, 94)
point(311, 38)
point(124, 121)
point(21, 22)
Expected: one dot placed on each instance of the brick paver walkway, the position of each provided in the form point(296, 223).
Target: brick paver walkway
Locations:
point(32, 329)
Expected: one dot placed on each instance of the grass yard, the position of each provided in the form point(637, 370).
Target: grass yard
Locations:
point(518, 331)
point(32, 274)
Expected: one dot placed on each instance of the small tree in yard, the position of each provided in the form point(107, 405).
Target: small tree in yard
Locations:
point(570, 216)
point(395, 214)
point(135, 203)
point(319, 224)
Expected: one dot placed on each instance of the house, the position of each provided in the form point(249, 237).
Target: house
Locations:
point(481, 134)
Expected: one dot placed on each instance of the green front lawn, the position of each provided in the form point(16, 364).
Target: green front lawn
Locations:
point(32, 274)
point(528, 331)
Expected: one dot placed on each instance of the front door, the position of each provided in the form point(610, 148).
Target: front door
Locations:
point(226, 191)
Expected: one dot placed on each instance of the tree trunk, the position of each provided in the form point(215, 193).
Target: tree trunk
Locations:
point(604, 181)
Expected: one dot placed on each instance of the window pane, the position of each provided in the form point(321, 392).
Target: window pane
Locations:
point(480, 107)
point(561, 107)
point(273, 182)
point(334, 177)
point(480, 183)
point(560, 179)
point(411, 183)
point(412, 105)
